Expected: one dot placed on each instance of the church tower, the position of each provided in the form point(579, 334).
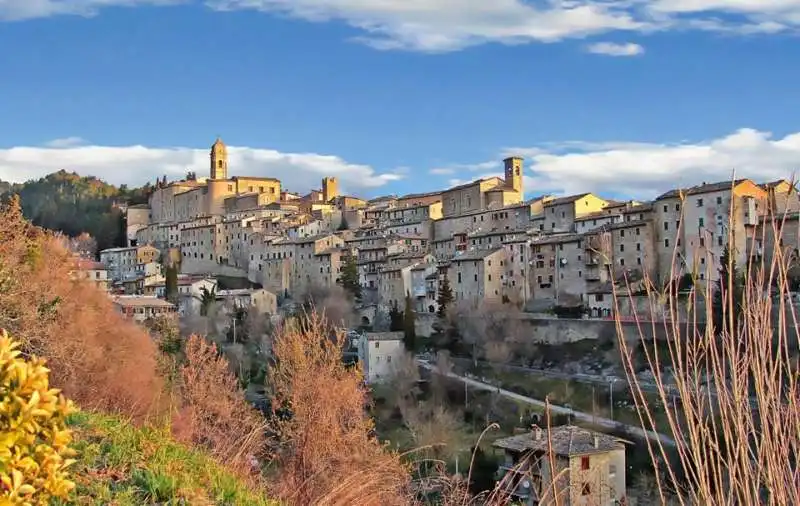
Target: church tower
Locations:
point(219, 160)
point(513, 166)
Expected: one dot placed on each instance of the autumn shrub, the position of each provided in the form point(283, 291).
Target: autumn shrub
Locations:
point(214, 413)
point(34, 452)
point(322, 435)
point(98, 359)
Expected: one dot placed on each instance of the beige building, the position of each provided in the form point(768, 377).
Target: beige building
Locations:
point(486, 193)
point(782, 197)
point(560, 214)
point(634, 258)
point(378, 353)
point(139, 307)
point(477, 276)
point(137, 217)
point(93, 272)
point(584, 467)
point(558, 269)
point(125, 262)
point(693, 226)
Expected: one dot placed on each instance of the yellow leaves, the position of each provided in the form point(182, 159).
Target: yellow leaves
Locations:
point(34, 440)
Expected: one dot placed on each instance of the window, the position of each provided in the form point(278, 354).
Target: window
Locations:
point(459, 277)
point(699, 202)
point(622, 233)
point(585, 463)
point(719, 200)
point(622, 261)
point(638, 247)
point(702, 242)
point(702, 261)
point(665, 208)
point(666, 243)
point(638, 231)
point(719, 240)
point(666, 225)
point(622, 248)
point(586, 490)
point(377, 344)
point(639, 261)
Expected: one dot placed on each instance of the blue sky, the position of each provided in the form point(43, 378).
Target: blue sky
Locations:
point(625, 98)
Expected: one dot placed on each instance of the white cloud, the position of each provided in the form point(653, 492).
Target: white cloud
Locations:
point(644, 170)
point(614, 49)
point(66, 142)
point(449, 25)
point(17, 10)
point(135, 165)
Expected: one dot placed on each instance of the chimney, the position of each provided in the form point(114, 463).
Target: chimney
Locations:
point(596, 441)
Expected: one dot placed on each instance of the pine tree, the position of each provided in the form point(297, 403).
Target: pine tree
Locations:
point(445, 297)
point(721, 308)
point(349, 278)
point(396, 323)
point(171, 282)
point(409, 332)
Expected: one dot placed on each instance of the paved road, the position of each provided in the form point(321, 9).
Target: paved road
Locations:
point(586, 417)
point(591, 379)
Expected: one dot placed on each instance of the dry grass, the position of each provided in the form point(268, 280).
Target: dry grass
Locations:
point(324, 447)
point(738, 428)
point(214, 414)
point(97, 358)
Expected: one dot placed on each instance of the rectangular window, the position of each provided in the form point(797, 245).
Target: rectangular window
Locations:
point(699, 202)
point(719, 200)
point(666, 225)
point(585, 463)
point(700, 222)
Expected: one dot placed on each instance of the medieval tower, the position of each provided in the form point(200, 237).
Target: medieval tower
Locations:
point(219, 160)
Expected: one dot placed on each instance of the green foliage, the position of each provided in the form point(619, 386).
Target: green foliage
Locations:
point(727, 300)
point(409, 332)
point(34, 439)
point(171, 282)
point(349, 278)
point(445, 297)
point(207, 298)
point(396, 323)
point(73, 204)
point(122, 464)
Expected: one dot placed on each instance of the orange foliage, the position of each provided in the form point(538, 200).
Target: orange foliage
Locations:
point(100, 360)
point(215, 414)
point(325, 449)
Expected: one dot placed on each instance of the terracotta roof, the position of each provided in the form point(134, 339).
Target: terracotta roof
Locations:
point(141, 301)
point(701, 188)
point(565, 441)
point(476, 254)
point(566, 200)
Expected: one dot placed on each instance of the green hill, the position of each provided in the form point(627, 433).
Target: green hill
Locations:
point(73, 204)
point(121, 464)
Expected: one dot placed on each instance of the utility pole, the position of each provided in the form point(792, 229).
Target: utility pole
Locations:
point(611, 398)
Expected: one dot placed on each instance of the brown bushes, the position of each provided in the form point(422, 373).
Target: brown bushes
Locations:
point(97, 358)
point(214, 413)
point(324, 446)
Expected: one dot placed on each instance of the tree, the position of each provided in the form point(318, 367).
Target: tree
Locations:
point(323, 436)
point(33, 430)
point(207, 299)
point(727, 300)
point(349, 278)
point(445, 297)
point(171, 282)
point(396, 323)
point(409, 331)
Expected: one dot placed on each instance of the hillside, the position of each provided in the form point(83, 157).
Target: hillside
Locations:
point(121, 464)
point(73, 204)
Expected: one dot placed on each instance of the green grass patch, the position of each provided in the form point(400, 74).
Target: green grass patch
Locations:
point(124, 465)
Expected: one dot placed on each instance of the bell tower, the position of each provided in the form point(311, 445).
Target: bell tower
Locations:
point(513, 173)
point(219, 160)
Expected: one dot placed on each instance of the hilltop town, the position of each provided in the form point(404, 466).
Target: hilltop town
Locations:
point(486, 237)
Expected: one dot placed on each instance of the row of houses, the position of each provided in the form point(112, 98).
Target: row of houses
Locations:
point(485, 237)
